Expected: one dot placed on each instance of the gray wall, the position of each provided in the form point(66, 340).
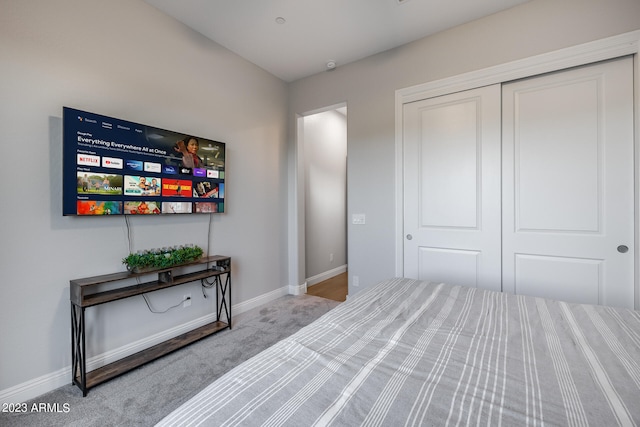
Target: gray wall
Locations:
point(368, 86)
point(124, 59)
point(325, 154)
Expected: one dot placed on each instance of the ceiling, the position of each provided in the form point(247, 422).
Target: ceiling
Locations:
point(293, 39)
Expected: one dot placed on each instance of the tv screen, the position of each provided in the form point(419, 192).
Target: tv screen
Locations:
point(116, 167)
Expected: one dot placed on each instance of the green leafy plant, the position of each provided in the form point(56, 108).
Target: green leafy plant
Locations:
point(162, 258)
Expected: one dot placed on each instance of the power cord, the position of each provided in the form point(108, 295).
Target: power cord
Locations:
point(204, 282)
point(206, 285)
point(209, 231)
point(129, 230)
point(162, 312)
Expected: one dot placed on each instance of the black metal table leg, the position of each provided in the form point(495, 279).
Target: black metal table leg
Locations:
point(78, 347)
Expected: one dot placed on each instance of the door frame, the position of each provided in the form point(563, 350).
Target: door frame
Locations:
point(296, 228)
point(583, 54)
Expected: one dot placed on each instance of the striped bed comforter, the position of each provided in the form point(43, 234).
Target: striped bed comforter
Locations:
point(412, 353)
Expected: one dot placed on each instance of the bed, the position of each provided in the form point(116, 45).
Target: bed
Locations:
point(414, 353)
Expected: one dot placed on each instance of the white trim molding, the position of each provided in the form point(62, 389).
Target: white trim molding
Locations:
point(45, 383)
point(297, 224)
point(326, 275)
point(298, 289)
point(260, 300)
point(587, 53)
point(600, 50)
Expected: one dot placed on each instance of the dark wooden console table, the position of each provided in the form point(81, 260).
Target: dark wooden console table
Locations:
point(86, 293)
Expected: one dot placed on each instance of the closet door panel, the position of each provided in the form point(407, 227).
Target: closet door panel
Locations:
point(448, 159)
point(436, 265)
point(558, 158)
point(568, 279)
point(452, 188)
point(568, 170)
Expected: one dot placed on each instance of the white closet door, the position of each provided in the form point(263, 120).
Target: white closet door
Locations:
point(452, 188)
point(568, 201)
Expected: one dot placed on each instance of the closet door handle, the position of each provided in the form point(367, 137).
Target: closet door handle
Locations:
point(623, 249)
point(409, 237)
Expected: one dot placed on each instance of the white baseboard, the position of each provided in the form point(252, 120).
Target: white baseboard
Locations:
point(298, 289)
point(326, 275)
point(260, 300)
point(46, 383)
point(36, 387)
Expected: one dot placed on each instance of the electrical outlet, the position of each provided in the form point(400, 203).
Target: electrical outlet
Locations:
point(187, 300)
point(330, 257)
point(356, 281)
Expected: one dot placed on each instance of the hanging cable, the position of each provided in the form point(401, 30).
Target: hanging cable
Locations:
point(162, 312)
point(129, 230)
point(209, 232)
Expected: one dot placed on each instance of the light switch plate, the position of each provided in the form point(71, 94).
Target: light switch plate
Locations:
point(358, 219)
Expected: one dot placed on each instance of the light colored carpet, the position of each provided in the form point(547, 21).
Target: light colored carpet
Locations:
point(144, 396)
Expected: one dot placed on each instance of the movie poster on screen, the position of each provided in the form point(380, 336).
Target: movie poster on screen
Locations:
point(176, 188)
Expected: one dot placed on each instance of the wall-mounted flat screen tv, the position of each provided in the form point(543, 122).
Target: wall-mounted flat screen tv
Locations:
point(116, 167)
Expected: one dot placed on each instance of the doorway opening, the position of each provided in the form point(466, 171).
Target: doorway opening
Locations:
point(322, 190)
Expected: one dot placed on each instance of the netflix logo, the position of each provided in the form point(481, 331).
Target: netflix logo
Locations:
point(88, 160)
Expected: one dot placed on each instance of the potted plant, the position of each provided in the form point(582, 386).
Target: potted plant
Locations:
point(159, 258)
